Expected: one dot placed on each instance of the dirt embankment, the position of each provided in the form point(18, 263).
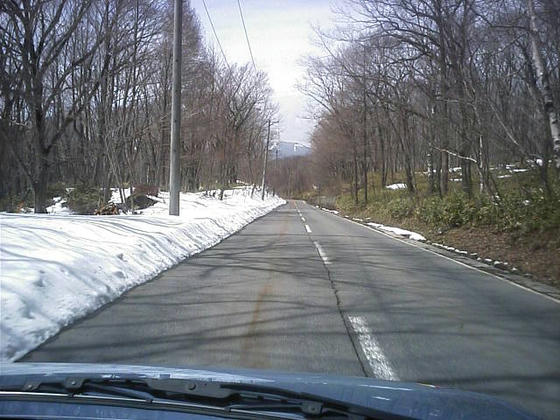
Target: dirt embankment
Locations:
point(534, 254)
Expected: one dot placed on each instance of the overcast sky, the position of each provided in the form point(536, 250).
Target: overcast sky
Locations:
point(280, 33)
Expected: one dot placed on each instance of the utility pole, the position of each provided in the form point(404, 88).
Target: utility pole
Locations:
point(265, 159)
point(364, 161)
point(174, 150)
point(275, 170)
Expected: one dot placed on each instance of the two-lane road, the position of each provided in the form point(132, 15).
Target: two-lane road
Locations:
point(305, 290)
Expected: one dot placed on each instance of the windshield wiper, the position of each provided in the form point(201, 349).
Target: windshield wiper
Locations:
point(226, 397)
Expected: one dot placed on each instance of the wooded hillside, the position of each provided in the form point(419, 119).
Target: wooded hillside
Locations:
point(85, 98)
point(426, 85)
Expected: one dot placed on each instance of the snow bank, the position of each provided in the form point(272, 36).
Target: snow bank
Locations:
point(329, 210)
point(57, 268)
point(58, 207)
point(398, 231)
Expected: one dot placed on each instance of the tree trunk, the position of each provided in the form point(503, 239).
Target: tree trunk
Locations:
point(481, 165)
point(355, 161)
point(365, 170)
point(40, 187)
point(466, 180)
point(431, 180)
point(407, 154)
point(106, 185)
point(444, 177)
point(443, 112)
point(383, 157)
point(542, 77)
point(364, 139)
point(409, 174)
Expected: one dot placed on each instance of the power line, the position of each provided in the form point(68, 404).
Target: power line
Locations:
point(215, 34)
point(246, 36)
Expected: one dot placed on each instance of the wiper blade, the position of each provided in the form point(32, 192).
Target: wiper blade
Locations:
point(227, 396)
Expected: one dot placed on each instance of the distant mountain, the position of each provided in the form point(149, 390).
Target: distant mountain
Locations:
point(287, 149)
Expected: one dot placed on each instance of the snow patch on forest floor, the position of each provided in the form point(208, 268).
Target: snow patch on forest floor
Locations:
point(398, 186)
point(56, 268)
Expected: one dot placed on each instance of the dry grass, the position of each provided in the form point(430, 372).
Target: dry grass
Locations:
point(536, 253)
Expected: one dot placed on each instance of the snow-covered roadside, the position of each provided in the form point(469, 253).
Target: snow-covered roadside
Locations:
point(395, 230)
point(501, 265)
point(398, 231)
point(329, 210)
point(57, 268)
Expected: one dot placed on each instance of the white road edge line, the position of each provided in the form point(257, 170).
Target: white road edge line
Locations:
point(322, 253)
point(303, 219)
point(307, 228)
point(455, 261)
point(375, 357)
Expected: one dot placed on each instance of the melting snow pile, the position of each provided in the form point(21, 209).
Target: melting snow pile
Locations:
point(398, 231)
point(58, 207)
point(329, 210)
point(56, 268)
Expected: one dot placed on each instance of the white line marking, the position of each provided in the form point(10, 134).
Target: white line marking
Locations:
point(455, 261)
point(376, 359)
point(307, 228)
point(303, 219)
point(322, 253)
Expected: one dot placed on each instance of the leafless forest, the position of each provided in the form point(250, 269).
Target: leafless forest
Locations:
point(423, 85)
point(403, 86)
point(86, 97)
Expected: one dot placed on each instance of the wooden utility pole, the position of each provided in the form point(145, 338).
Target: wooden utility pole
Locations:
point(275, 170)
point(265, 160)
point(174, 158)
point(364, 128)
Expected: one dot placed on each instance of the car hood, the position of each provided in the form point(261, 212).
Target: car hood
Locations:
point(407, 399)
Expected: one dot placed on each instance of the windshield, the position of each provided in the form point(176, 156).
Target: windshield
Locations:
point(354, 188)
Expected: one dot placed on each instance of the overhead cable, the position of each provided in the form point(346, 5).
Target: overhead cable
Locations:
point(246, 36)
point(215, 33)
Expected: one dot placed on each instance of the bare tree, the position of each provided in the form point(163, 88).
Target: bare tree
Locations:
point(543, 81)
point(37, 37)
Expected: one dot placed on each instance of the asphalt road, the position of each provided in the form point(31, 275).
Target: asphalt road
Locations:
point(304, 290)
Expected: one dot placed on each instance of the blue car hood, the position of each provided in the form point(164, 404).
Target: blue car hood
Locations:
point(406, 399)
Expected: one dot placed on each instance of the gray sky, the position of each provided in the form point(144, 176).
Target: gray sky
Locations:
point(280, 33)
